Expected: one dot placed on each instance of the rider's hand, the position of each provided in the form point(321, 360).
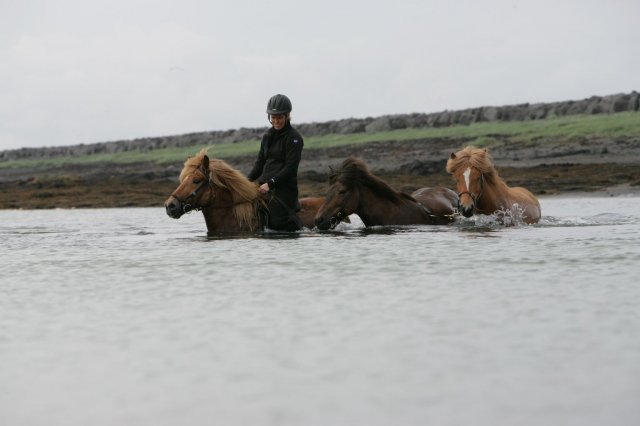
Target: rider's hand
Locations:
point(264, 188)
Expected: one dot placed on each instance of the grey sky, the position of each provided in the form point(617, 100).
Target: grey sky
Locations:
point(77, 71)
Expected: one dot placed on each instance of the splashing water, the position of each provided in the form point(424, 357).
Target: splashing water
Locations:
point(500, 218)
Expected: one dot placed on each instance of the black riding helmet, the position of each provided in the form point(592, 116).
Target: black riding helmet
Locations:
point(279, 104)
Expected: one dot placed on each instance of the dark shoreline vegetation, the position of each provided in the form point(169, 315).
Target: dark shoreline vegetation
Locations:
point(551, 155)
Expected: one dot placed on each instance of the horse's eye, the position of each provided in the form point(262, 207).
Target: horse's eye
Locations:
point(197, 181)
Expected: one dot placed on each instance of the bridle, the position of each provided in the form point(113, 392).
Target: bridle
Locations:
point(335, 220)
point(338, 217)
point(474, 197)
point(188, 204)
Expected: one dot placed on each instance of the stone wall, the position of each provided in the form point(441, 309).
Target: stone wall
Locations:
point(593, 105)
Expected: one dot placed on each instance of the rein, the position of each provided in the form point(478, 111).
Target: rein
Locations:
point(292, 214)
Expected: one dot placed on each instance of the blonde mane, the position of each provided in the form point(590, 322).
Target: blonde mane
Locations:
point(477, 158)
point(244, 192)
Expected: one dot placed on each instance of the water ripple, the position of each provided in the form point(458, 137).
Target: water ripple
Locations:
point(125, 316)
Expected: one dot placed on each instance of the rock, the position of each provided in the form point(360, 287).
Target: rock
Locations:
point(382, 124)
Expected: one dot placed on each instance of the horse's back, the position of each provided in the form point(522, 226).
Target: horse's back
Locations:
point(529, 203)
point(308, 208)
point(440, 201)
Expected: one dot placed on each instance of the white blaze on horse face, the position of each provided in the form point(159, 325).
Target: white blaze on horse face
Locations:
point(466, 175)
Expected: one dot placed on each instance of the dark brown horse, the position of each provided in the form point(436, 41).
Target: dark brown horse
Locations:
point(482, 191)
point(354, 189)
point(228, 200)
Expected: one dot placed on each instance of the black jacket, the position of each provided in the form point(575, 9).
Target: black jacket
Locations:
point(278, 159)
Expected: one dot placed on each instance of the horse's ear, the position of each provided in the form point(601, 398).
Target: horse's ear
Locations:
point(453, 156)
point(205, 163)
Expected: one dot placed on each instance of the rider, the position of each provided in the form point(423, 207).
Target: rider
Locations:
point(276, 168)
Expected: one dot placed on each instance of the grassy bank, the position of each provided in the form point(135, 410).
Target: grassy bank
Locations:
point(549, 131)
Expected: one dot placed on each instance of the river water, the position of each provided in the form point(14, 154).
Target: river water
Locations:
point(128, 317)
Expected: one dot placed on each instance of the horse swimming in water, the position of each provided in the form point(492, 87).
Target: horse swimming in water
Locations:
point(228, 200)
point(482, 191)
point(354, 189)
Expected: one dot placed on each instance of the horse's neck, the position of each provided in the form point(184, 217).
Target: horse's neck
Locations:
point(375, 210)
point(220, 220)
point(503, 197)
point(495, 196)
point(220, 216)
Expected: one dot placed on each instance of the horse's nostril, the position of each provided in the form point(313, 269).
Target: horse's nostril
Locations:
point(173, 208)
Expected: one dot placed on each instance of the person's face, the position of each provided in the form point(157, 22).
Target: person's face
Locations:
point(278, 121)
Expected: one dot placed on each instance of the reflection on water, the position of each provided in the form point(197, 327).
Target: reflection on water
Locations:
point(125, 316)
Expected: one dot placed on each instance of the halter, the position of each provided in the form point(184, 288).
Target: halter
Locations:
point(474, 197)
point(189, 207)
point(338, 217)
point(186, 206)
point(335, 220)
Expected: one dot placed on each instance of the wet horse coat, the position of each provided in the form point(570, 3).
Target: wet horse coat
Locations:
point(354, 189)
point(482, 191)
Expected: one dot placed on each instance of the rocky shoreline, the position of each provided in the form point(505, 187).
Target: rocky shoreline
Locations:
point(607, 167)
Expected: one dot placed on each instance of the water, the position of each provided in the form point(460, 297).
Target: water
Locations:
point(128, 317)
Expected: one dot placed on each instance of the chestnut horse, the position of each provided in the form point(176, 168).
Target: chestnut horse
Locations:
point(482, 191)
point(228, 200)
point(354, 189)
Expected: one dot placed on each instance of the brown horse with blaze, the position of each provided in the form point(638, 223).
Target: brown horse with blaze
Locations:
point(482, 191)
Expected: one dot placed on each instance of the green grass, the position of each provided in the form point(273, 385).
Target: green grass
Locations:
point(550, 131)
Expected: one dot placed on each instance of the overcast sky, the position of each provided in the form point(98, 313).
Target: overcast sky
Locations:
point(85, 71)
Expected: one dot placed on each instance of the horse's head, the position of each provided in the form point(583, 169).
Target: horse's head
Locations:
point(470, 180)
point(342, 198)
point(340, 202)
point(470, 183)
point(194, 191)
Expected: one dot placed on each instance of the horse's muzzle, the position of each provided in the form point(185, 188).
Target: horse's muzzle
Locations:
point(322, 223)
point(174, 208)
point(466, 211)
